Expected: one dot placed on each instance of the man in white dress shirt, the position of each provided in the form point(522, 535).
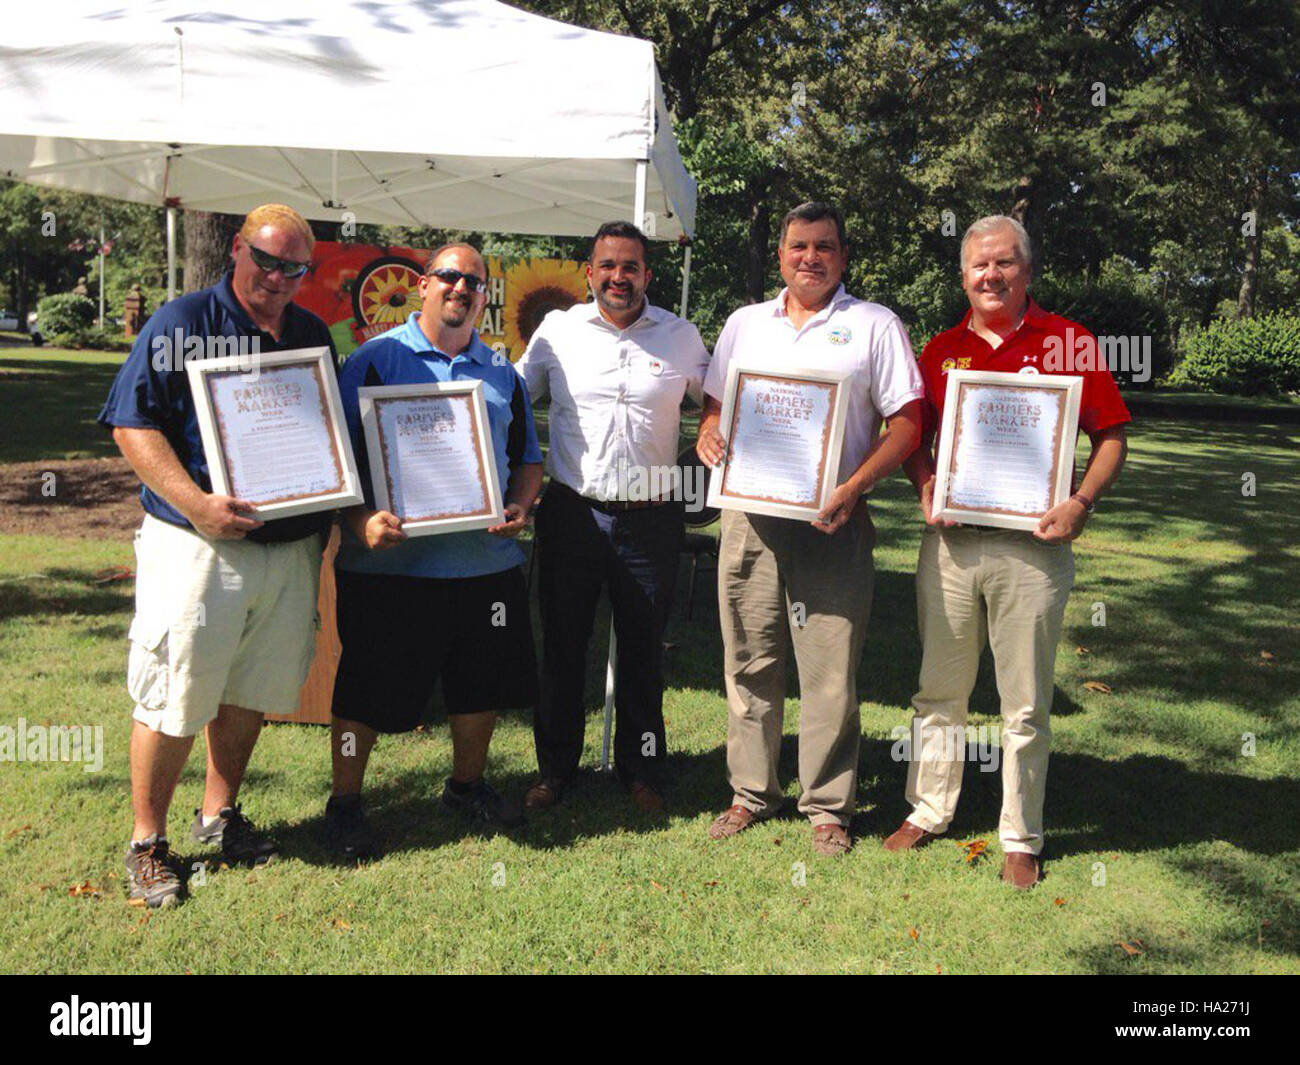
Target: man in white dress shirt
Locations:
point(812, 580)
point(617, 370)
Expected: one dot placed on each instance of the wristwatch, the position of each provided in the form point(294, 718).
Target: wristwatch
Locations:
point(1088, 505)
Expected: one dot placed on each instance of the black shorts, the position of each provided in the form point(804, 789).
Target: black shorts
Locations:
point(401, 634)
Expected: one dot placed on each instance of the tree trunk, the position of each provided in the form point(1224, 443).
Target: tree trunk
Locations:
point(1250, 274)
point(207, 240)
point(760, 231)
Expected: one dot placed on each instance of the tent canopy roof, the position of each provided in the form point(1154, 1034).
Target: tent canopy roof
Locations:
point(464, 114)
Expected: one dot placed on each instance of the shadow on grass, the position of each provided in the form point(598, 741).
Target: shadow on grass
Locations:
point(58, 592)
point(50, 409)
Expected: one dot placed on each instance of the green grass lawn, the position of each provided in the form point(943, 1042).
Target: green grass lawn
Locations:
point(1162, 833)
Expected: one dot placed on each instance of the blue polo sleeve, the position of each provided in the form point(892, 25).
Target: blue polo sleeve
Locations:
point(521, 445)
point(142, 393)
point(358, 371)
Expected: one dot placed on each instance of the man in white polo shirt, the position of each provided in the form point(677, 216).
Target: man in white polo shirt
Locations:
point(813, 580)
point(617, 370)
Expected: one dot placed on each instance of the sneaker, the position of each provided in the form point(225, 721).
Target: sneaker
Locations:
point(240, 842)
point(153, 874)
point(347, 832)
point(482, 805)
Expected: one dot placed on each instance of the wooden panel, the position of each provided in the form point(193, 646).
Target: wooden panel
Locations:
point(318, 690)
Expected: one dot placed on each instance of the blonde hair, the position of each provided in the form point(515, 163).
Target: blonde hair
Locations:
point(279, 216)
point(991, 223)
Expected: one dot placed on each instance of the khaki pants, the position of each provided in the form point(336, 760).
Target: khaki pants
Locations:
point(775, 577)
point(972, 584)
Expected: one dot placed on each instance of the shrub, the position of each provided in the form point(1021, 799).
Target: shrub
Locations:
point(1114, 310)
point(1242, 356)
point(66, 318)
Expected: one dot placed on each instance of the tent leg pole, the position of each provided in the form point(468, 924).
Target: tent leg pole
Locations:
point(171, 253)
point(686, 281)
point(610, 669)
point(638, 202)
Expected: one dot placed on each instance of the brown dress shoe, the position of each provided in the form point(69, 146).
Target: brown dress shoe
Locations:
point(831, 840)
point(1020, 870)
point(645, 798)
point(732, 820)
point(908, 837)
point(546, 792)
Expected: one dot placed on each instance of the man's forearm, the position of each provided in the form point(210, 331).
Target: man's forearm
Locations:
point(525, 483)
point(898, 441)
point(1109, 450)
point(156, 464)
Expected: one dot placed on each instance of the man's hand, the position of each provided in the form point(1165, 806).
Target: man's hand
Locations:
point(1063, 523)
point(838, 510)
point(516, 519)
point(382, 530)
point(927, 507)
point(711, 445)
point(222, 517)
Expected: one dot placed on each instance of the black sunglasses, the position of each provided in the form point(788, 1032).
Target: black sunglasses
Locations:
point(267, 263)
point(451, 277)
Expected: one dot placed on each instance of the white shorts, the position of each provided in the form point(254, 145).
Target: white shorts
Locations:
point(219, 622)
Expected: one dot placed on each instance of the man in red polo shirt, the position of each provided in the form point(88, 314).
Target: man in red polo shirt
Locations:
point(976, 582)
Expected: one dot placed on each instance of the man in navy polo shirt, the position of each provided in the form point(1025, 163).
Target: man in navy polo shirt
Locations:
point(452, 606)
point(223, 630)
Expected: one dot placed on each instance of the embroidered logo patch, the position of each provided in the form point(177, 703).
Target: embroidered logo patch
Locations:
point(947, 364)
point(839, 335)
point(656, 367)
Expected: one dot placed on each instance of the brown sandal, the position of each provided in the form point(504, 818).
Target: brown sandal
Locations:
point(731, 821)
point(830, 840)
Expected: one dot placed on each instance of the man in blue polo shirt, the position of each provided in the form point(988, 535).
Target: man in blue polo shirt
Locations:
point(224, 604)
point(453, 606)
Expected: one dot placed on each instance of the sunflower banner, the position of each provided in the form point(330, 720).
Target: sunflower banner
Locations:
point(363, 290)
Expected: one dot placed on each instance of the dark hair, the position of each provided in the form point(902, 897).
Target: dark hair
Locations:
point(437, 252)
point(814, 211)
point(625, 230)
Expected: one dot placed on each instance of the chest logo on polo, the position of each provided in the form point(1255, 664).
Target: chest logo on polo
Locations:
point(839, 335)
point(1029, 369)
point(656, 367)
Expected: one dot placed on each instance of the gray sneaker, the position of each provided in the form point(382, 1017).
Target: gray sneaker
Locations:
point(153, 874)
point(240, 842)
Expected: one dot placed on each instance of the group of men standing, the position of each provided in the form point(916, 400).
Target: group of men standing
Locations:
point(454, 607)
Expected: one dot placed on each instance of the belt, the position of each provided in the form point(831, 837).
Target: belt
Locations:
point(611, 506)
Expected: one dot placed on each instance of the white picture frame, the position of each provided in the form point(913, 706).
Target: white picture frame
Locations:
point(731, 485)
point(384, 453)
point(958, 455)
point(217, 383)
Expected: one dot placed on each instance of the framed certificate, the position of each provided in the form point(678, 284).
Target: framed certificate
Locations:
point(784, 432)
point(1006, 447)
point(432, 462)
point(273, 431)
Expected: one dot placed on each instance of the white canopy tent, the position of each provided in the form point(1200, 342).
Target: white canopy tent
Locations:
point(458, 114)
point(464, 114)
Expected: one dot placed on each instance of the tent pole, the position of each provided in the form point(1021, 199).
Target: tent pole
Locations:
point(171, 253)
point(638, 203)
point(686, 281)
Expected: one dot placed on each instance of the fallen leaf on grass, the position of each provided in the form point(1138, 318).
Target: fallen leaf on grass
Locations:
point(776, 842)
point(278, 917)
point(1132, 949)
point(1082, 651)
point(1267, 656)
point(17, 831)
point(906, 897)
point(1059, 902)
point(710, 883)
point(938, 970)
point(340, 925)
point(1097, 686)
point(657, 886)
point(914, 933)
point(85, 888)
point(974, 849)
point(113, 573)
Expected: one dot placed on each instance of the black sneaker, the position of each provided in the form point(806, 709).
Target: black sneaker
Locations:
point(482, 805)
point(348, 834)
point(153, 874)
point(240, 842)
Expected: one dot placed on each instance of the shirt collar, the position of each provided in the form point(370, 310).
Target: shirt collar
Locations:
point(838, 299)
point(1034, 316)
point(416, 340)
point(649, 313)
point(225, 292)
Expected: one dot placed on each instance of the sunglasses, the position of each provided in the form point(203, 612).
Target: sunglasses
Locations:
point(268, 263)
point(451, 277)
